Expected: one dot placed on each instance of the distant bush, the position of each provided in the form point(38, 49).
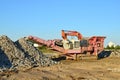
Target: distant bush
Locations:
point(113, 47)
point(117, 47)
point(110, 47)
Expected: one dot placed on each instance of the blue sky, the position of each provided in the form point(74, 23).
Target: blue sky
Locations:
point(46, 18)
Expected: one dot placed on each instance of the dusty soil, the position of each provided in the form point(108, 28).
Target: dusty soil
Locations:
point(89, 68)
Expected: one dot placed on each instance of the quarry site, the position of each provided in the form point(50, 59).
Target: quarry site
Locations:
point(59, 40)
point(20, 60)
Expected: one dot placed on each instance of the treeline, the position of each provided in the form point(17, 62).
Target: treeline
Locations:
point(113, 47)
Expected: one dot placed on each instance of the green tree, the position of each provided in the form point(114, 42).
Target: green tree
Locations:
point(117, 47)
point(110, 47)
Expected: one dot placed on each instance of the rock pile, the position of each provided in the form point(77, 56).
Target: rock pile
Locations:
point(20, 55)
point(33, 54)
point(115, 53)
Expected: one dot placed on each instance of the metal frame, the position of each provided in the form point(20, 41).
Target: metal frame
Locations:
point(95, 43)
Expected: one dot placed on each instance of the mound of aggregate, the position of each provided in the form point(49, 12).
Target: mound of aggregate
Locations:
point(115, 53)
point(33, 53)
point(20, 55)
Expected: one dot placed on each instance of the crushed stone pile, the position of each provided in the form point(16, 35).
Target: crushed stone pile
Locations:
point(10, 55)
point(34, 54)
point(115, 53)
point(20, 55)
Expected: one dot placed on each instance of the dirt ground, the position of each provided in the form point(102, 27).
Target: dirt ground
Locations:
point(89, 68)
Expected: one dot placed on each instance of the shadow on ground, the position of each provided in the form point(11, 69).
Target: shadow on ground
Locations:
point(59, 59)
point(101, 55)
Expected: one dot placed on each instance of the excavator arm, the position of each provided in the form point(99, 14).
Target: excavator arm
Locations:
point(66, 33)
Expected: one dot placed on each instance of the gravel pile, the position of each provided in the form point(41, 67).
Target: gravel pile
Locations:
point(34, 54)
point(115, 53)
point(20, 55)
